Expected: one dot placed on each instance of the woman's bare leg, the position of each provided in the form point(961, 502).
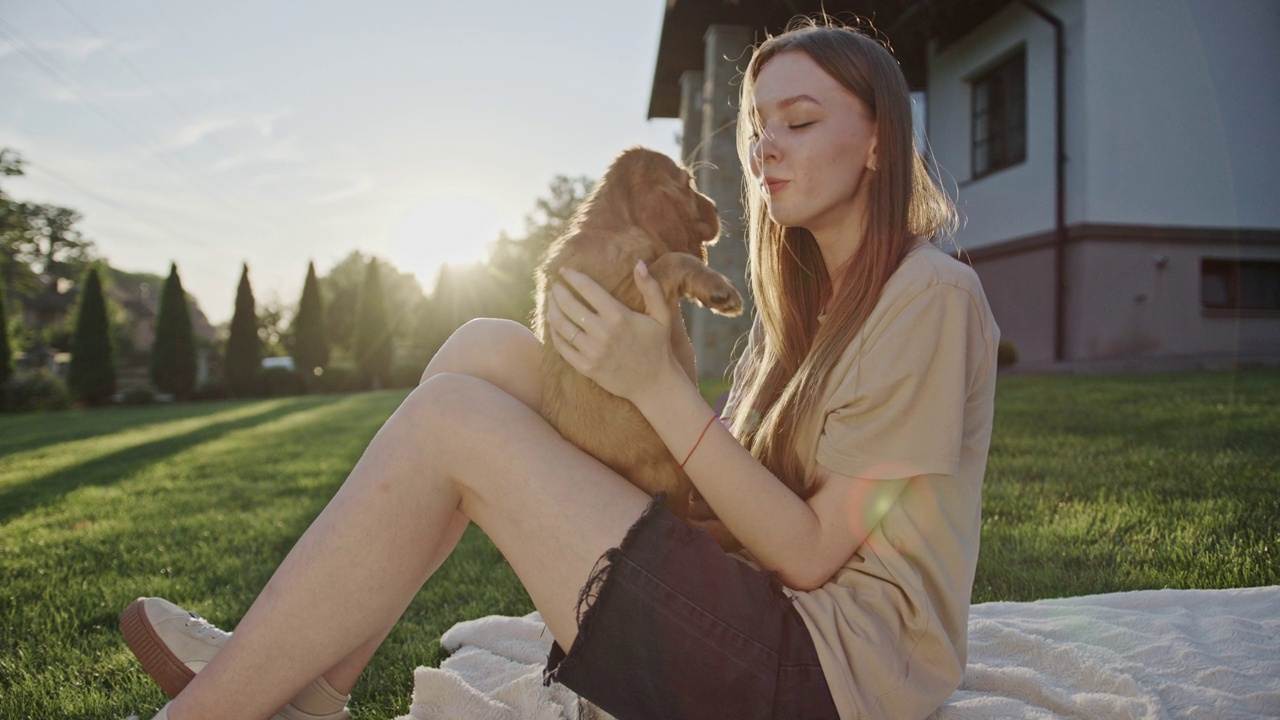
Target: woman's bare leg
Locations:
point(458, 444)
point(505, 354)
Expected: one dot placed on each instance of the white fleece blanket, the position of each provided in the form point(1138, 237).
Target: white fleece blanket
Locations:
point(1151, 655)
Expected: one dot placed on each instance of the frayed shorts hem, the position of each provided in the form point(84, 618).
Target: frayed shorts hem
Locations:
point(670, 626)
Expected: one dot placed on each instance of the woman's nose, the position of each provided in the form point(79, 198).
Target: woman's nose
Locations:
point(764, 148)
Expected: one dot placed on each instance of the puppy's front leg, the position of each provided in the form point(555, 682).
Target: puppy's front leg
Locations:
point(683, 275)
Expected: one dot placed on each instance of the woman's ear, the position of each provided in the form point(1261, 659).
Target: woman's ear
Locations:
point(872, 163)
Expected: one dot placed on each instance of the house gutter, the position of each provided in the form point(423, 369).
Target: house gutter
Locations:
point(1060, 186)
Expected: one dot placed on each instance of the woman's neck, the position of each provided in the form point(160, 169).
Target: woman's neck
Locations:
point(839, 239)
point(837, 245)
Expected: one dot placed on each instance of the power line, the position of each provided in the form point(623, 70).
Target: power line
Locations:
point(59, 74)
point(160, 92)
point(154, 225)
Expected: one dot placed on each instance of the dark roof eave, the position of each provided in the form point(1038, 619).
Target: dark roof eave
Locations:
point(908, 24)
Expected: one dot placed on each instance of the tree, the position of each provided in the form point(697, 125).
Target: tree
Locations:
point(401, 291)
point(274, 319)
point(37, 240)
point(373, 348)
point(14, 229)
point(92, 376)
point(512, 261)
point(6, 352)
point(503, 286)
point(173, 354)
point(244, 351)
point(310, 343)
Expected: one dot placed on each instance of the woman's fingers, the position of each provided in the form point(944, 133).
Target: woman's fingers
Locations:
point(655, 303)
point(572, 309)
point(563, 327)
point(604, 339)
point(606, 305)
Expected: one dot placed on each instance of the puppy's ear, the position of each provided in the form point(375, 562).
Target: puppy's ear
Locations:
point(658, 204)
point(707, 224)
point(615, 191)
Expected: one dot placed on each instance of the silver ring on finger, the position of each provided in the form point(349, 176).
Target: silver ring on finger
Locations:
point(574, 336)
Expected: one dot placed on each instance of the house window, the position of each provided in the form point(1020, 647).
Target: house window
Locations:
point(1000, 116)
point(1239, 284)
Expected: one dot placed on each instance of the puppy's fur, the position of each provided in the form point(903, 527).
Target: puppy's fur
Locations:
point(645, 208)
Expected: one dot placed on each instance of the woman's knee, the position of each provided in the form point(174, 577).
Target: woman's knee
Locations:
point(439, 396)
point(480, 344)
point(454, 416)
point(503, 353)
point(452, 402)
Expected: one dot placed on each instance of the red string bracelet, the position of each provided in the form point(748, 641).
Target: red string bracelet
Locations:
point(714, 417)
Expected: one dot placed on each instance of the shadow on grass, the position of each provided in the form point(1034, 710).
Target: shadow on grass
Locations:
point(20, 432)
point(104, 470)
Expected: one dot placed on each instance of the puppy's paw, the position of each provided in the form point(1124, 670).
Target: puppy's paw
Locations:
point(724, 299)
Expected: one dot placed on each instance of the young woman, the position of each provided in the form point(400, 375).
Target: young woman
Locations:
point(849, 465)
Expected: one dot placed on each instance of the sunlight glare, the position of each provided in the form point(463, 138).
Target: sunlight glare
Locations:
point(453, 228)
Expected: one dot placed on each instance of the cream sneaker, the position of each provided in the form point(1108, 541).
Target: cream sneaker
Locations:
point(174, 644)
point(171, 643)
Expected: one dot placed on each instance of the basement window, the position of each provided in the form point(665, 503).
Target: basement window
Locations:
point(1000, 116)
point(1239, 284)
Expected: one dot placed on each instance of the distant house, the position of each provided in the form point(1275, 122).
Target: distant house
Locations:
point(1115, 163)
point(138, 294)
point(51, 305)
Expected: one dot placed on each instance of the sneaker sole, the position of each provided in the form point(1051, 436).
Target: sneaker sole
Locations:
point(169, 672)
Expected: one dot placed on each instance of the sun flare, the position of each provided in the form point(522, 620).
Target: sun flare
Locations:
point(445, 228)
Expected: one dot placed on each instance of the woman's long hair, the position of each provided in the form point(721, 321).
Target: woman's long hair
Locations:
point(791, 354)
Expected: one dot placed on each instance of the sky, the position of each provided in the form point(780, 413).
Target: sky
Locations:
point(212, 134)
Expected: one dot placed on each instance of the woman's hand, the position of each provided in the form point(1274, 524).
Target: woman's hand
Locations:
point(623, 351)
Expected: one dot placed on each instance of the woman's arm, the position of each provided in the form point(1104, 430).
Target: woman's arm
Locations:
point(629, 354)
point(805, 542)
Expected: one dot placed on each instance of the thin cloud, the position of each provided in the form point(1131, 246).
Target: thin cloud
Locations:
point(197, 131)
point(279, 151)
point(266, 122)
point(359, 187)
point(76, 48)
point(61, 93)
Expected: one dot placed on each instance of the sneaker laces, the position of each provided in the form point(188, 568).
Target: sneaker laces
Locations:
point(202, 627)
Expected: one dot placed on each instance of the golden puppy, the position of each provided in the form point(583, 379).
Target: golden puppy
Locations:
point(644, 208)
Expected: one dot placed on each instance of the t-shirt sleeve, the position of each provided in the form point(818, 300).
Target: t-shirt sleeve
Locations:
point(899, 410)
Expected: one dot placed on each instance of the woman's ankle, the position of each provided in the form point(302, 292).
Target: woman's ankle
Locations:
point(320, 698)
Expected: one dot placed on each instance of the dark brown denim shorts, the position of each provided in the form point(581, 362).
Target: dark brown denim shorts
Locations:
point(670, 627)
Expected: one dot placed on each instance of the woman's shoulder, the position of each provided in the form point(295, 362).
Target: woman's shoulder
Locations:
point(927, 266)
point(928, 281)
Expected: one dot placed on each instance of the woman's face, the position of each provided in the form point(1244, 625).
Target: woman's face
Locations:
point(814, 143)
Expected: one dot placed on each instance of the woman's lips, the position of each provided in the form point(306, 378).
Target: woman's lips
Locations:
point(773, 185)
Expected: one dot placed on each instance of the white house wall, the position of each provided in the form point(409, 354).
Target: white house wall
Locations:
point(1017, 201)
point(1183, 104)
point(1177, 126)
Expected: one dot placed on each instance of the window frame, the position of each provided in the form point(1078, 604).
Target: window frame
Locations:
point(1232, 274)
point(998, 103)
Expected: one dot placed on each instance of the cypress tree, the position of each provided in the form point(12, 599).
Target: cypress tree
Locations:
point(310, 342)
point(244, 349)
point(92, 375)
point(6, 352)
point(373, 336)
point(173, 354)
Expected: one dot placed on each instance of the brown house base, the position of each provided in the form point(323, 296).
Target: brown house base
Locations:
point(1135, 298)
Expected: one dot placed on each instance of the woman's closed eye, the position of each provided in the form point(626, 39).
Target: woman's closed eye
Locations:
point(801, 126)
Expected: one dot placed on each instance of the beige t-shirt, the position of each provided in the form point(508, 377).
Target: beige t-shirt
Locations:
point(911, 397)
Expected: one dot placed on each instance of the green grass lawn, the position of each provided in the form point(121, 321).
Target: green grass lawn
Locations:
point(1095, 484)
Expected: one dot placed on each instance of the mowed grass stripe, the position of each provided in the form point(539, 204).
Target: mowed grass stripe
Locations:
point(1100, 484)
point(1095, 484)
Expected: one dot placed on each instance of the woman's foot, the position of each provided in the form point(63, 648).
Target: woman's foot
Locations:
point(174, 644)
